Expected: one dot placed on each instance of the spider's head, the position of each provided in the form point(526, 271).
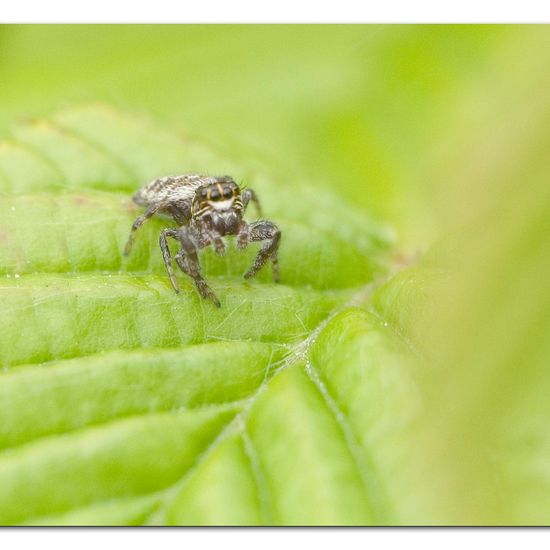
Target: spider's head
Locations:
point(219, 205)
point(221, 196)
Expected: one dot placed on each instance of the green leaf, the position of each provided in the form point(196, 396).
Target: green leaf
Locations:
point(123, 403)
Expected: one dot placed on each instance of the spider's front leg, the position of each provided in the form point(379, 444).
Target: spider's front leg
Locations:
point(188, 260)
point(264, 231)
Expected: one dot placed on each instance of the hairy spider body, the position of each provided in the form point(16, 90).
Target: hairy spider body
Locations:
point(206, 209)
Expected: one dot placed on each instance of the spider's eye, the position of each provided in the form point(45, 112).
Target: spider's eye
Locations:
point(228, 192)
point(204, 193)
point(214, 194)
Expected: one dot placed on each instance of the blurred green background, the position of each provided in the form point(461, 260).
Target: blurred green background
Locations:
point(442, 131)
point(367, 110)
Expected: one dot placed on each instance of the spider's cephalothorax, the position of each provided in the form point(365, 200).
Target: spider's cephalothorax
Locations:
point(218, 205)
point(205, 209)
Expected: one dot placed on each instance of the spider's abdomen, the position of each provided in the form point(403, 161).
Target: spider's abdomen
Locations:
point(173, 189)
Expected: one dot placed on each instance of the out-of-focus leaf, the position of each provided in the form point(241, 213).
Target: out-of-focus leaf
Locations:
point(359, 108)
point(477, 308)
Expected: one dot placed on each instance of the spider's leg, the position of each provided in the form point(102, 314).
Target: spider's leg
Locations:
point(188, 261)
point(166, 256)
point(265, 231)
point(249, 195)
point(151, 211)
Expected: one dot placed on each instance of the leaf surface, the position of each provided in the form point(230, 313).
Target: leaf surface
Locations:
point(123, 403)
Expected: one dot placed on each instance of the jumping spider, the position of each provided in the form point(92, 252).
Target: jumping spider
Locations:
point(206, 209)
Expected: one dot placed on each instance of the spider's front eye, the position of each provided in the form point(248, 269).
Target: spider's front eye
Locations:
point(214, 194)
point(227, 192)
point(204, 193)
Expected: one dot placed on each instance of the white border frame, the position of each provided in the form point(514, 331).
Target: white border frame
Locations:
point(282, 11)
